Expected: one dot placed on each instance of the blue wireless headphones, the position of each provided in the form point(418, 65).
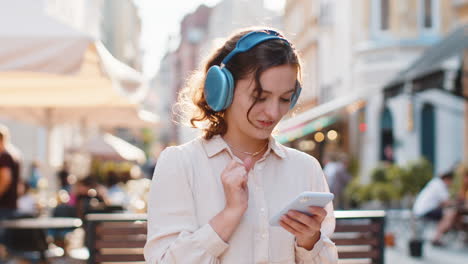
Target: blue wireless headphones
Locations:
point(219, 83)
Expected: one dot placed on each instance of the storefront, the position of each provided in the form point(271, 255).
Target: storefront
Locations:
point(323, 129)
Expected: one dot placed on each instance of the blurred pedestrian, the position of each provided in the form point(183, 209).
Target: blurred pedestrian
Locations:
point(34, 174)
point(463, 192)
point(210, 198)
point(343, 177)
point(433, 203)
point(63, 176)
point(9, 176)
point(331, 168)
point(388, 154)
point(336, 171)
point(116, 194)
point(27, 204)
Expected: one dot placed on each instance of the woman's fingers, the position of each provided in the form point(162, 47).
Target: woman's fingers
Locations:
point(248, 163)
point(302, 218)
point(303, 223)
point(286, 226)
point(296, 225)
point(320, 212)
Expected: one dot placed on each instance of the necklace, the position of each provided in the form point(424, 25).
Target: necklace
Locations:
point(253, 154)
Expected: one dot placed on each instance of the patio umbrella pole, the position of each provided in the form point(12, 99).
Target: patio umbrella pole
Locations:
point(48, 127)
point(465, 95)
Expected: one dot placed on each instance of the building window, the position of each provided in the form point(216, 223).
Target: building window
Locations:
point(384, 15)
point(380, 17)
point(386, 136)
point(428, 15)
point(326, 12)
point(428, 135)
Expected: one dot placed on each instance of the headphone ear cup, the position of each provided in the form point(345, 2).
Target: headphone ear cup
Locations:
point(295, 97)
point(218, 88)
point(230, 87)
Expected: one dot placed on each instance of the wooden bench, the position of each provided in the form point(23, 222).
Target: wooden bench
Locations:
point(114, 238)
point(359, 236)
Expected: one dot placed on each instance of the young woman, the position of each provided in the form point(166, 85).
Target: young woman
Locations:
point(211, 198)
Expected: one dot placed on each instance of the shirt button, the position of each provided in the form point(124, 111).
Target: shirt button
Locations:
point(262, 209)
point(264, 235)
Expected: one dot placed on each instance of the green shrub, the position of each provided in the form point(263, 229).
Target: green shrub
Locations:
point(390, 182)
point(417, 174)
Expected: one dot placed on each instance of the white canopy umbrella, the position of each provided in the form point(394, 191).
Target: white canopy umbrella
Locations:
point(47, 64)
point(33, 41)
point(51, 73)
point(110, 146)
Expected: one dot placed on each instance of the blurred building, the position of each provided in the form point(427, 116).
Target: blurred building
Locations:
point(162, 89)
point(178, 63)
point(230, 15)
point(322, 34)
point(423, 105)
point(351, 53)
point(120, 31)
point(193, 33)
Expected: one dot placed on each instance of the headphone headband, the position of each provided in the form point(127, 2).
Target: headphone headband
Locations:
point(250, 40)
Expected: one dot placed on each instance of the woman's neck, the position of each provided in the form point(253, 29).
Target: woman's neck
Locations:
point(246, 146)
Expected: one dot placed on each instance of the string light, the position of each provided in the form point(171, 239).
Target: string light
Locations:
point(319, 137)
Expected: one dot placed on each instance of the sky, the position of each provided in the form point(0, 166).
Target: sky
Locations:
point(161, 19)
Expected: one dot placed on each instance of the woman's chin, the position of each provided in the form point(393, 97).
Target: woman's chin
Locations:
point(262, 134)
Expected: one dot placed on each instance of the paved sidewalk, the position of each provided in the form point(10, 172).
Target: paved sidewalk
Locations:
point(431, 255)
point(398, 222)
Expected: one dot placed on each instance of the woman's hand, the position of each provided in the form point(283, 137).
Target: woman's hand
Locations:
point(305, 228)
point(234, 179)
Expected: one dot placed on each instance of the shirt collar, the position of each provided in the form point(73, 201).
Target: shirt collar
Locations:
point(217, 145)
point(277, 148)
point(214, 145)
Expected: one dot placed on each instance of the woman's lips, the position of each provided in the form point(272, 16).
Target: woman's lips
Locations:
point(265, 124)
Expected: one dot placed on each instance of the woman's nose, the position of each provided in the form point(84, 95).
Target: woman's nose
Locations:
point(272, 110)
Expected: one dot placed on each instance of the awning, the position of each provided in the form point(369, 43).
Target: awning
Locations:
point(317, 118)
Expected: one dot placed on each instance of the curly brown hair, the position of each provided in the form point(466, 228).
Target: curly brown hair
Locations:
point(191, 100)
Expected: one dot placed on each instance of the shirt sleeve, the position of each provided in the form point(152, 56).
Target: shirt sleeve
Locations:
point(443, 193)
point(324, 251)
point(174, 235)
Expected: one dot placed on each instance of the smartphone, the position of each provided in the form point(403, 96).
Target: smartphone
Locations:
point(302, 202)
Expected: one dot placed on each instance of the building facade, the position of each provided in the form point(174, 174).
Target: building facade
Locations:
point(351, 53)
point(322, 34)
point(120, 31)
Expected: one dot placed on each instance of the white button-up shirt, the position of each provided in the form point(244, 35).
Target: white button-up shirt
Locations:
point(187, 192)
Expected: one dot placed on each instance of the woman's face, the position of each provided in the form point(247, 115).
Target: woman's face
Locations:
point(278, 85)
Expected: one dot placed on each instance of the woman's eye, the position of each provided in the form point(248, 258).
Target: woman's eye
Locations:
point(286, 100)
point(260, 99)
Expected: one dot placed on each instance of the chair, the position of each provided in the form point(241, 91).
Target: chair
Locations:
point(116, 237)
point(359, 236)
point(30, 244)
